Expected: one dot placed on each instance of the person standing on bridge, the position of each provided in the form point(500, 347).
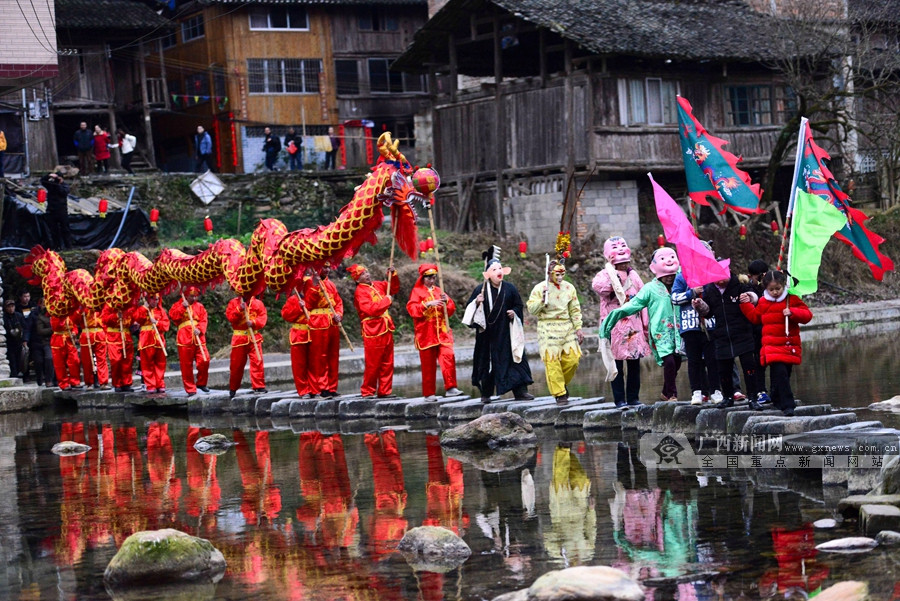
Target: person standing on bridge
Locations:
point(434, 338)
point(190, 319)
point(372, 301)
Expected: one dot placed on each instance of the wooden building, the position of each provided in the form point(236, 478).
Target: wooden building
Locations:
point(237, 66)
point(585, 90)
point(98, 80)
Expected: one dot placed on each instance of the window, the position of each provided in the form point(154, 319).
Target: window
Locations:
point(377, 19)
point(650, 100)
point(758, 105)
point(279, 17)
point(383, 81)
point(347, 76)
point(168, 40)
point(192, 28)
point(283, 75)
point(196, 88)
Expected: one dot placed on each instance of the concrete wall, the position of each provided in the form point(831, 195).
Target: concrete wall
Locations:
point(607, 208)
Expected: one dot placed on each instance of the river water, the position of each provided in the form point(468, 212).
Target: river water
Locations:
point(315, 514)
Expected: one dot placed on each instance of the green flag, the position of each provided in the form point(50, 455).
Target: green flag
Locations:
point(814, 223)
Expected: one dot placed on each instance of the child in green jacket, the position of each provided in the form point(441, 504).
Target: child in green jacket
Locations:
point(656, 297)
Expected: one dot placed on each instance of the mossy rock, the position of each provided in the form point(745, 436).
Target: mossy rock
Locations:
point(165, 556)
point(433, 549)
point(69, 448)
point(494, 430)
point(214, 444)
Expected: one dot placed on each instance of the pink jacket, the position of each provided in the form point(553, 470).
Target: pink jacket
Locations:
point(629, 336)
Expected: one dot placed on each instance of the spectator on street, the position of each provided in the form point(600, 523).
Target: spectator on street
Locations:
point(57, 216)
point(26, 306)
point(203, 149)
point(331, 156)
point(84, 145)
point(101, 149)
point(294, 143)
point(271, 146)
point(14, 324)
point(126, 143)
point(38, 339)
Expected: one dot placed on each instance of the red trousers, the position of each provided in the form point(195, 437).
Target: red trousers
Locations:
point(239, 361)
point(153, 366)
point(430, 358)
point(378, 377)
point(186, 357)
point(100, 357)
point(67, 365)
point(300, 369)
point(324, 354)
point(121, 362)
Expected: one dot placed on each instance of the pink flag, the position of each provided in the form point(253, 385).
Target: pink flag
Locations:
point(698, 264)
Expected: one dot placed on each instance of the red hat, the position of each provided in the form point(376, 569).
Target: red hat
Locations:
point(356, 271)
point(192, 290)
point(427, 269)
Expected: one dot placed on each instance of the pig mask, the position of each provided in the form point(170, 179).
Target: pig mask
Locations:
point(616, 250)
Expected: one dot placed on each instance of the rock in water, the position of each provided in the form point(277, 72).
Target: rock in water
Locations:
point(214, 444)
point(495, 460)
point(888, 538)
point(164, 556)
point(585, 583)
point(493, 430)
point(825, 523)
point(67, 448)
point(849, 590)
point(433, 549)
point(852, 544)
point(892, 404)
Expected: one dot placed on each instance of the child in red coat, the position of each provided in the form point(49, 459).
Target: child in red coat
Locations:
point(780, 314)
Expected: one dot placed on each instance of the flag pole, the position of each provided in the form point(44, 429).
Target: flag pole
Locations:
point(801, 142)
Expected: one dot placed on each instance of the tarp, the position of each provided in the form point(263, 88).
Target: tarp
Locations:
point(24, 226)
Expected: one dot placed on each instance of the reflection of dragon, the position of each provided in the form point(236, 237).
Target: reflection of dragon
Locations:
point(273, 259)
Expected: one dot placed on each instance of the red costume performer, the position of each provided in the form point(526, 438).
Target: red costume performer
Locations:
point(65, 355)
point(293, 312)
point(324, 333)
point(152, 343)
point(93, 333)
point(191, 320)
point(434, 338)
point(372, 300)
point(237, 314)
point(119, 345)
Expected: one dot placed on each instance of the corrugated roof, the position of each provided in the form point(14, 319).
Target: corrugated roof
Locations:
point(115, 16)
point(676, 29)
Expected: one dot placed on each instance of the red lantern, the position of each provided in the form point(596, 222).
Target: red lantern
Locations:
point(743, 231)
point(102, 207)
point(660, 241)
point(523, 249)
point(154, 217)
point(42, 195)
point(430, 244)
point(423, 247)
point(774, 227)
point(207, 225)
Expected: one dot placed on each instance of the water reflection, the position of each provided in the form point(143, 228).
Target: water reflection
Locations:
point(317, 515)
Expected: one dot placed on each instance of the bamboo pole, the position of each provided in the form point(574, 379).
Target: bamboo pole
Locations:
point(159, 338)
point(250, 329)
point(437, 260)
point(87, 335)
point(190, 314)
point(334, 313)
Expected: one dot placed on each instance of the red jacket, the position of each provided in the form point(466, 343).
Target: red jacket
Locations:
point(94, 327)
point(778, 347)
point(372, 304)
point(62, 328)
point(110, 319)
point(293, 313)
point(320, 316)
point(238, 320)
point(179, 315)
point(430, 325)
point(147, 337)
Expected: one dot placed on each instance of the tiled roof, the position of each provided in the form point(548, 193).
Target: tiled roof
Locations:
point(321, 2)
point(114, 16)
point(677, 29)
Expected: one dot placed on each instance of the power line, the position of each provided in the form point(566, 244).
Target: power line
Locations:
point(41, 25)
point(27, 22)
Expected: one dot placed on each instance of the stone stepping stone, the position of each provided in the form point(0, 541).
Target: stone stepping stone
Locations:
point(281, 409)
point(302, 408)
point(603, 419)
point(394, 408)
point(796, 425)
point(358, 408)
point(875, 518)
point(574, 416)
point(461, 410)
point(849, 506)
point(638, 417)
point(327, 408)
point(418, 408)
point(96, 398)
point(546, 414)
